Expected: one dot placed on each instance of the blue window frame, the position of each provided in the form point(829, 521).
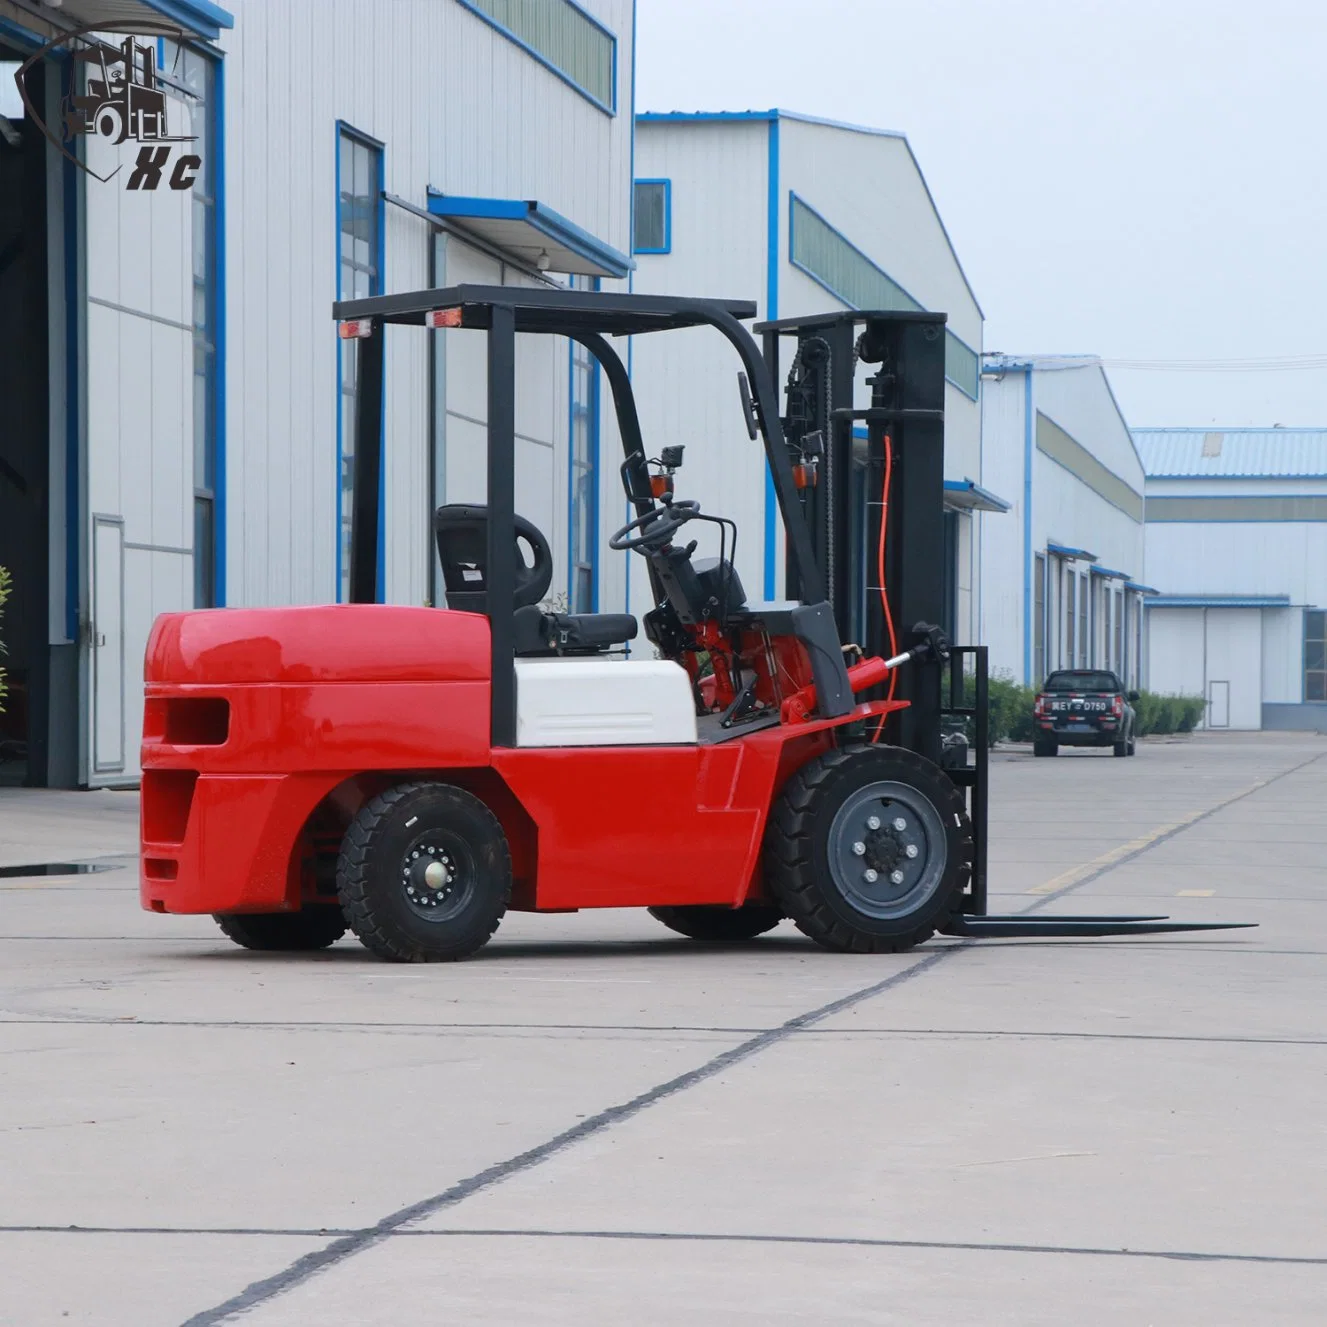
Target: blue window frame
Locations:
point(583, 477)
point(199, 75)
point(831, 260)
point(563, 38)
point(652, 217)
point(359, 225)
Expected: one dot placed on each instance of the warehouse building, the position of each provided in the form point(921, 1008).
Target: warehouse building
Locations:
point(802, 216)
point(1237, 545)
point(178, 405)
point(1063, 579)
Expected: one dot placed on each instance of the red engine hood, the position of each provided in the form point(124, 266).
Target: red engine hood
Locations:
point(328, 643)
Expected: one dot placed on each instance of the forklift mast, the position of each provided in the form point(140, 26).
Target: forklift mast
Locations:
point(838, 449)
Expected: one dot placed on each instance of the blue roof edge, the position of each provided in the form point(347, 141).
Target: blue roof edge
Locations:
point(542, 218)
point(200, 16)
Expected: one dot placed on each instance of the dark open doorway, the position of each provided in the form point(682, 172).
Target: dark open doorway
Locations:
point(25, 436)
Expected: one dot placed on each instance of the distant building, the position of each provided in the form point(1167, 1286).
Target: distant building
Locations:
point(1237, 546)
point(1062, 574)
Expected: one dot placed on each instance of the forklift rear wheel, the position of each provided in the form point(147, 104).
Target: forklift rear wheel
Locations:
point(1045, 748)
point(424, 874)
point(313, 927)
point(869, 849)
point(719, 924)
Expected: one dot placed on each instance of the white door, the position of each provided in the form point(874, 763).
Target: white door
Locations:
point(1233, 654)
point(1218, 704)
point(107, 646)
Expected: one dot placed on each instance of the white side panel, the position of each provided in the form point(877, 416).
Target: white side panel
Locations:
point(573, 702)
point(1234, 655)
point(1282, 656)
point(1001, 551)
point(1249, 557)
point(1175, 652)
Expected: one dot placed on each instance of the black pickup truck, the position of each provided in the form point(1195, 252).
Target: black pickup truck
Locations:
point(1084, 707)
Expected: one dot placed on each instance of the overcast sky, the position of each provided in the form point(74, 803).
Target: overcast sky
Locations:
point(1143, 181)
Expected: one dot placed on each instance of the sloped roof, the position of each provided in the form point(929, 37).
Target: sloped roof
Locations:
point(1193, 453)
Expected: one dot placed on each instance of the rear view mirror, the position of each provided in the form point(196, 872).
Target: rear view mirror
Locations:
point(748, 406)
point(636, 480)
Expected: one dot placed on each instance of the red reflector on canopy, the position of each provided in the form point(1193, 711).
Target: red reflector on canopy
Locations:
point(354, 327)
point(443, 318)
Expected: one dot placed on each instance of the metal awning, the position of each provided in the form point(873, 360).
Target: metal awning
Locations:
point(533, 233)
point(1108, 573)
point(200, 17)
point(1074, 554)
point(1140, 589)
point(1219, 601)
point(968, 495)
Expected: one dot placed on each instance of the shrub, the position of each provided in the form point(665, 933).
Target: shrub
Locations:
point(1161, 715)
point(1010, 709)
point(4, 594)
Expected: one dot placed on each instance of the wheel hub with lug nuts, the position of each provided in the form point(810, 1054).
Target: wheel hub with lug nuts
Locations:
point(428, 875)
point(883, 848)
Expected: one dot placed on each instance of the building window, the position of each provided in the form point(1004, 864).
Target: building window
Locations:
point(847, 273)
point(1315, 654)
point(1084, 603)
point(1039, 622)
point(562, 36)
point(652, 217)
point(196, 73)
point(359, 275)
point(1070, 584)
point(583, 587)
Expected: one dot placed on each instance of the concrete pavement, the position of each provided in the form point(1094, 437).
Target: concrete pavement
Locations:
point(597, 1122)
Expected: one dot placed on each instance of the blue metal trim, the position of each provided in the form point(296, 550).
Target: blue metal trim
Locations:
point(701, 117)
point(540, 217)
point(1107, 573)
point(987, 500)
point(20, 35)
point(70, 184)
point(200, 16)
point(1219, 601)
point(1200, 477)
point(1064, 551)
point(771, 311)
point(1028, 555)
point(547, 63)
point(793, 199)
point(1140, 589)
point(668, 216)
point(219, 491)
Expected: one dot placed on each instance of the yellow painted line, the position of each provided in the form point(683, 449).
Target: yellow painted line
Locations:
point(1077, 873)
point(1195, 893)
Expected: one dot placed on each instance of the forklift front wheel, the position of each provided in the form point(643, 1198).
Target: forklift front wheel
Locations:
point(716, 924)
point(424, 874)
point(868, 849)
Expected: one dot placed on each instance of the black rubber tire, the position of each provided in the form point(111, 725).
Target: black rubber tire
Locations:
point(314, 926)
point(1120, 748)
point(717, 924)
point(1045, 748)
point(796, 857)
point(373, 852)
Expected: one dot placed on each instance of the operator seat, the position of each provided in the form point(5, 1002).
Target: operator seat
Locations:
point(461, 532)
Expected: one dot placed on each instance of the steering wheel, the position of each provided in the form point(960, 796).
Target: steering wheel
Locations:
point(656, 527)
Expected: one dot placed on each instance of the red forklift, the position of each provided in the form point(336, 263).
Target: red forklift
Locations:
point(412, 773)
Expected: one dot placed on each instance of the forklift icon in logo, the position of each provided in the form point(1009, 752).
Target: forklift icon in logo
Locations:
point(123, 100)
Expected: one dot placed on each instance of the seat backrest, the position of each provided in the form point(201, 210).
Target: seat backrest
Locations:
point(461, 531)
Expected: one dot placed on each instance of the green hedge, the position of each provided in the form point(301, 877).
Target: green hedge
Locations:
point(4, 594)
point(1011, 711)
